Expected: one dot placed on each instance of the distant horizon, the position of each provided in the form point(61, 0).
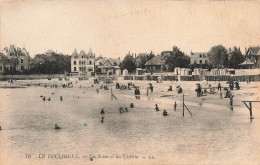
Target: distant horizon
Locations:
point(112, 28)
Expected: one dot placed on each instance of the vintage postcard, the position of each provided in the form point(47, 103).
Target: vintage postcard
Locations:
point(154, 82)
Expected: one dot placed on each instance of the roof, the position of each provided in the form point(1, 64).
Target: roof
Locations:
point(157, 60)
point(254, 50)
point(197, 54)
point(75, 53)
point(247, 62)
point(90, 54)
point(12, 49)
point(82, 53)
point(109, 61)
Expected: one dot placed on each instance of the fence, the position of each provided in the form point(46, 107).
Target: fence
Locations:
point(243, 78)
point(32, 76)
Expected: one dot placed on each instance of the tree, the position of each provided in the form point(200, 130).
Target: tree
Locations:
point(150, 56)
point(140, 60)
point(235, 58)
point(128, 63)
point(218, 56)
point(176, 59)
point(53, 64)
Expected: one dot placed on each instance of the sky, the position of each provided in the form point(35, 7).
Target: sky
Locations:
point(112, 28)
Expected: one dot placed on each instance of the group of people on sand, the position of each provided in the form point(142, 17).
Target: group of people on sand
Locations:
point(124, 87)
point(232, 83)
point(105, 87)
point(11, 81)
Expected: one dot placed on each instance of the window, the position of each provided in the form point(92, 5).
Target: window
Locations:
point(75, 69)
point(22, 67)
point(206, 61)
point(90, 62)
point(1, 68)
point(195, 61)
point(79, 62)
point(21, 61)
point(200, 55)
point(75, 62)
point(8, 60)
point(90, 69)
point(200, 61)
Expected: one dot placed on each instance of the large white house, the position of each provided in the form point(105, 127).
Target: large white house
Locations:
point(83, 63)
point(199, 58)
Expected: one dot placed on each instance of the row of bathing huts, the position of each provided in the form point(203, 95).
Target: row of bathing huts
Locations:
point(198, 74)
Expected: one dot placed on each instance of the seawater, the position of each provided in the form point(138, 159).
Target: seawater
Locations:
point(213, 135)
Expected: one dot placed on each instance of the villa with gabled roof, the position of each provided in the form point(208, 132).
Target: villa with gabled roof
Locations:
point(16, 59)
point(107, 64)
point(253, 54)
point(82, 63)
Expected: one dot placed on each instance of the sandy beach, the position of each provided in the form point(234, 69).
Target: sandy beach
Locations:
point(212, 132)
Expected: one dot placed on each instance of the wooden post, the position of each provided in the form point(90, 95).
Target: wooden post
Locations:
point(250, 109)
point(183, 106)
point(111, 94)
point(231, 102)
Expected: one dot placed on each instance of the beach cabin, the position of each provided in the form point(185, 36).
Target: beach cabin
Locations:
point(118, 72)
point(125, 72)
point(139, 71)
point(231, 71)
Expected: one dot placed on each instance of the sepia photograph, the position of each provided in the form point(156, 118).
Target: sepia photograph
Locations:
point(129, 82)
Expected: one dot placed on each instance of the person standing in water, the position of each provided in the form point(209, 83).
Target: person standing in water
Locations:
point(175, 106)
point(156, 107)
